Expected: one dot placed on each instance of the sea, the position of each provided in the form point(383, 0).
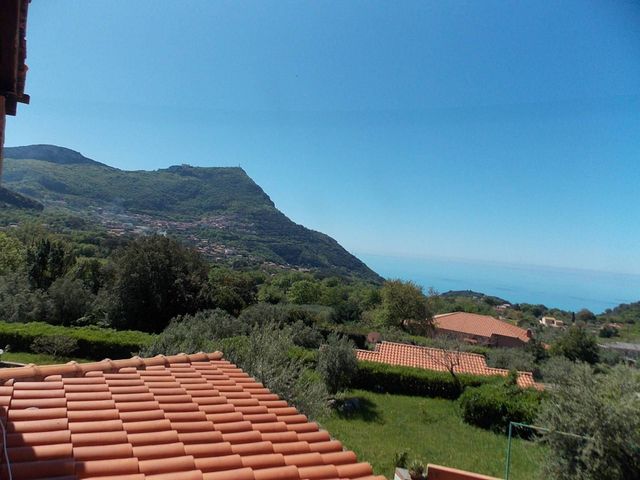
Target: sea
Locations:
point(565, 288)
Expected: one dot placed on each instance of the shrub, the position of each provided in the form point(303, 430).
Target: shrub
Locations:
point(493, 406)
point(306, 336)
point(288, 314)
point(577, 345)
point(93, 342)
point(55, 345)
point(308, 356)
point(608, 331)
point(401, 459)
point(379, 377)
point(416, 469)
point(337, 363)
point(193, 333)
point(264, 355)
point(512, 359)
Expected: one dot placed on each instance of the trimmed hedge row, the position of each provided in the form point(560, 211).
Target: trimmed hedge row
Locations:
point(380, 377)
point(493, 406)
point(94, 343)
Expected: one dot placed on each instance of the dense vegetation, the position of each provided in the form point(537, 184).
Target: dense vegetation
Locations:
point(238, 214)
point(75, 292)
point(593, 419)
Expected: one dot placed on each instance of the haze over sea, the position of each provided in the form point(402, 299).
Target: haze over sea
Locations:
point(565, 288)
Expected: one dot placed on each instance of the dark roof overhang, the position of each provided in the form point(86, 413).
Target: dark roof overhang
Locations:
point(13, 51)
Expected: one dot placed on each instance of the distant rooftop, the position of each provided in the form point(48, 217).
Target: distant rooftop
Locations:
point(479, 325)
point(436, 359)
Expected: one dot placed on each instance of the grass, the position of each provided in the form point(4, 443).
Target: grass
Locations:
point(37, 358)
point(429, 429)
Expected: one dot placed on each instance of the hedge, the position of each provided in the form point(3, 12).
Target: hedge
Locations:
point(308, 356)
point(380, 377)
point(94, 343)
point(493, 406)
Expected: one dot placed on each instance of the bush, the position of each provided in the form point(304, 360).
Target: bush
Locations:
point(608, 331)
point(265, 355)
point(306, 336)
point(493, 406)
point(577, 345)
point(93, 342)
point(337, 363)
point(379, 377)
point(307, 356)
point(357, 334)
point(193, 333)
point(513, 359)
point(288, 314)
point(401, 459)
point(55, 345)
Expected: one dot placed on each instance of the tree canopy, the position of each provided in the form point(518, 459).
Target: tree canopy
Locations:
point(156, 279)
point(577, 345)
point(403, 303)
point(601, 412)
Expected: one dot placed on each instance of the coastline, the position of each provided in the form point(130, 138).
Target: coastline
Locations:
point(565, 288)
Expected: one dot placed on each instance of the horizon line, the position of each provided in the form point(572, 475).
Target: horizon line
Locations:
point(424, 256)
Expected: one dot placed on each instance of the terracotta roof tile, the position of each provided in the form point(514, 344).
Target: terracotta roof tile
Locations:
point(192, 417)
point(406, 355)
point(480, 325)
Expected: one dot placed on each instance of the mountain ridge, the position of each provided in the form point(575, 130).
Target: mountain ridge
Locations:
point(49, 153)
point(220, 209)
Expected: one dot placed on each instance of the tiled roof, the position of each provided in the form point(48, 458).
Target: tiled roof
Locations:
point(480, 325)
point(181, 417)
point(437, 359)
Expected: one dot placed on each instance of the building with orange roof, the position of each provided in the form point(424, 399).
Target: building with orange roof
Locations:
point(481, 329)
point(439, 360)
point(180, 417)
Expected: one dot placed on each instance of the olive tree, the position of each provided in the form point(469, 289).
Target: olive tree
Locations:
point(594, 425)
point(337, 363)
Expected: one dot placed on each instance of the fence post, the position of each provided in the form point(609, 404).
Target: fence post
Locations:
point(508, 463)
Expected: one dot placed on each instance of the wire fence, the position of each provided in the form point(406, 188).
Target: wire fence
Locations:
point(523, 462)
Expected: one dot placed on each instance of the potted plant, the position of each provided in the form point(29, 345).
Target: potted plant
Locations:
point(416, 470)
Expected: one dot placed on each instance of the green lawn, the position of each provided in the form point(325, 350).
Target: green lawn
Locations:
point(37, 358)
point(429, 429)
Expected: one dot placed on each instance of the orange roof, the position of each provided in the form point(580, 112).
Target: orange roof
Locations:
point(480, 325)
point(437, 359)
point(181, 417)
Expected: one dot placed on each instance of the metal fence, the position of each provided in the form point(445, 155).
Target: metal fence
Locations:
point(520, 451)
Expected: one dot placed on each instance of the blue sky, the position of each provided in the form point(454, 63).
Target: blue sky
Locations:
point(500, 131)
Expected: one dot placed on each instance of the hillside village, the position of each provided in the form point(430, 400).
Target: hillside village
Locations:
point(122, 223)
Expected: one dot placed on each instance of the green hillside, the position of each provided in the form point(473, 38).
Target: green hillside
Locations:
point(222, 211)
